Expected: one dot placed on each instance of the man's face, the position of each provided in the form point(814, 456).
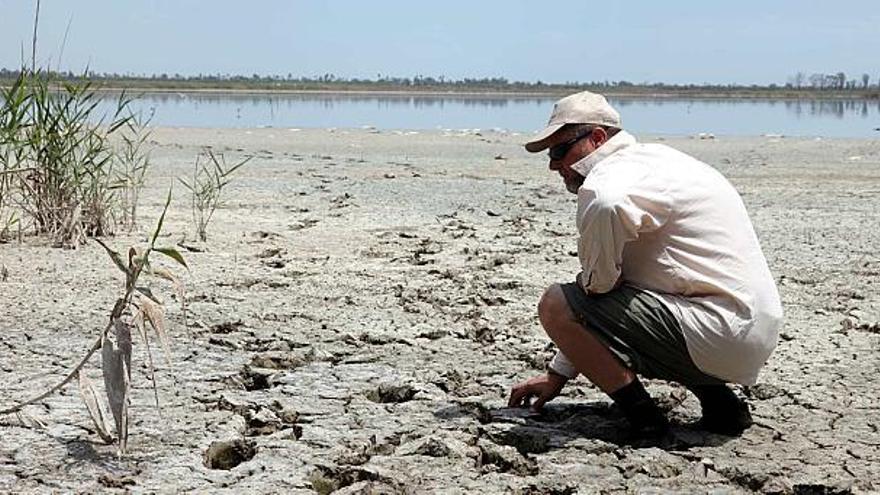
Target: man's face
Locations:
point(579, 146)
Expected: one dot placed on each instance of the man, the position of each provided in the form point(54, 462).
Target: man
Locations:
point(673, 283)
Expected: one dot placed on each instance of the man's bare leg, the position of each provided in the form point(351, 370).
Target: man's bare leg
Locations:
point(595, 361)
point(591, 358)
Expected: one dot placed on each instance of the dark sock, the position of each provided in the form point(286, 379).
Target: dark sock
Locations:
point(714, 396)
point(723, 411)
point(640, 409)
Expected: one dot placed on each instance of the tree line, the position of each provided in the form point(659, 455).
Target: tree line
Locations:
point(799, 82)
point(836, 80)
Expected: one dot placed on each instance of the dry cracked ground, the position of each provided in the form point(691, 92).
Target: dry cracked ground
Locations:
point(366, 299)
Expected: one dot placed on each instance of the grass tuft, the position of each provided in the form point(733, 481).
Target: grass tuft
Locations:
point(210, 176)
point(67, 170)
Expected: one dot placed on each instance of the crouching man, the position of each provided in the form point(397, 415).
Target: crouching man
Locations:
point(673, 283)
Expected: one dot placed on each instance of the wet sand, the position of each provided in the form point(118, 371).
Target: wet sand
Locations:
point(367, 298)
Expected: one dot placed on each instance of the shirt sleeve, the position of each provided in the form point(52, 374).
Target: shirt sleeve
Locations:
point(606, 221)
point(561, 365)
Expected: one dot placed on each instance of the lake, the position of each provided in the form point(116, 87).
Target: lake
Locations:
point(675, 116)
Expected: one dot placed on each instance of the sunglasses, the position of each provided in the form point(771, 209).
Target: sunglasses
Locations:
point(559, 151)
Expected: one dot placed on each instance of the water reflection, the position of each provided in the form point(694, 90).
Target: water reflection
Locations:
point(330, 99)
point(855, 118)
point(834, 108)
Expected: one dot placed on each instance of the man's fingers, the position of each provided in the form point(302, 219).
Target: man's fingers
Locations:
point(540, 401)
point(520, 396)
point(516, 396)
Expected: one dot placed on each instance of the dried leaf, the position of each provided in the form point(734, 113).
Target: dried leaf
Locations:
point(141, 328)
point(132, 254)
point(156, 316)
point(116, 363)
point(137, 259)
point(166, 274)
point(178, 287)
point(148, 293)
point(93, 405)
point(30, 420)
point(138, 322)
point(123, 431)
point(123, 342)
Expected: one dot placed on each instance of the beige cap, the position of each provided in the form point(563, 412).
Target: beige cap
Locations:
point(580, 108)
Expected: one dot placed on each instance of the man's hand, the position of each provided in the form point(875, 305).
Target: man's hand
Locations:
point(542, 388)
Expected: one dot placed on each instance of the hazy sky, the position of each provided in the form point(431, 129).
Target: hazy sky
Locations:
point(746, 41)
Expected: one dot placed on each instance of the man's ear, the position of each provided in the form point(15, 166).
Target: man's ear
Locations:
point(599, 136)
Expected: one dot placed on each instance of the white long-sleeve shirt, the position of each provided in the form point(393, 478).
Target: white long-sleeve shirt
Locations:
point(658, 219)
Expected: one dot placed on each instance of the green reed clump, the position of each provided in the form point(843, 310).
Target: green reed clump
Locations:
point(61, 168)
point(12, 120)
point(210, 175)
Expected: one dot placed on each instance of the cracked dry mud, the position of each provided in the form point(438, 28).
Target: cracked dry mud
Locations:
point(366, 299)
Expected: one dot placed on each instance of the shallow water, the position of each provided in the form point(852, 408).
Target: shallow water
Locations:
point(831, 118)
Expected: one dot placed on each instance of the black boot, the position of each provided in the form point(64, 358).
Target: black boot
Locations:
point(723, 412)
point(645, 418)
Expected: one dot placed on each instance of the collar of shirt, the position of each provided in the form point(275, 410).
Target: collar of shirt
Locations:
point(620, 141)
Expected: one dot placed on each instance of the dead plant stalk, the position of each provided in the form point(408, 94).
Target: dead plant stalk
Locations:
point(136, 308)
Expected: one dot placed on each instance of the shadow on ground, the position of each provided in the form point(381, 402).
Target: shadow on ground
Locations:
point(562, 424)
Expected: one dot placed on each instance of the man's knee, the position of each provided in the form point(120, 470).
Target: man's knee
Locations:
point(553, 308)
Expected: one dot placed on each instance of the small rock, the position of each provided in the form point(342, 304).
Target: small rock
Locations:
point(387, 393)
point(498, 260)
point(302, 224)
point(506, 459)
point(525, 440)
point(255, 379)
point(236, 405)
point(369, 487)
point(764, 391)
point(228, 454)
point(286, 415)
point(350, 480)
point(278, 361)
point(777, 486)
point(433, 333)
point(226, 327)
point(433, 447)
point(275, 263)
point(262, 422)
point(657, 469)
point(315, 354)
point(119, 482)
point(269, 253)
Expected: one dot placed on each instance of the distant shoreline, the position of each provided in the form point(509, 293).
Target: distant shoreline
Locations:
point(471, 91)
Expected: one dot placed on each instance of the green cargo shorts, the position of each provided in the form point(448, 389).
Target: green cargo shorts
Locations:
point(639, 330)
